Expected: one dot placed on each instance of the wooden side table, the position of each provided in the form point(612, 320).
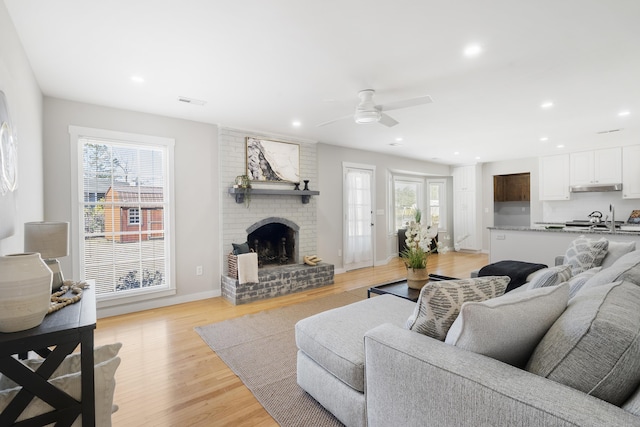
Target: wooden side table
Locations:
point(56, 337)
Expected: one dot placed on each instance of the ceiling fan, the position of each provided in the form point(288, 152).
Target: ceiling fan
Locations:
point(368, 112)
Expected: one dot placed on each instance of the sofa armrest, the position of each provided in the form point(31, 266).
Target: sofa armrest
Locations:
point(412, 379)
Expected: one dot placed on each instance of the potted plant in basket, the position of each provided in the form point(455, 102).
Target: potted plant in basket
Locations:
point(418, 241)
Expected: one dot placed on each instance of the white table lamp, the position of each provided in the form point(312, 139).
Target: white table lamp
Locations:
point(51, 240)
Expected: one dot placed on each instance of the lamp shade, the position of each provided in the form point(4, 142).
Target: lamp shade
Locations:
point(51, 239)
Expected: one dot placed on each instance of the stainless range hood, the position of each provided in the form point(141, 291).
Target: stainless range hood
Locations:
point(595, 188)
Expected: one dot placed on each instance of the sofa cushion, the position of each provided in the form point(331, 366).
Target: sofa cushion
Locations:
point(551, 276)
point(509, 327)
point(334, 339)
point(577, 282)
point(584, 254)
point(627, 267)
point(594, 346)
point(72, 384)
point(616, 250)
point(439, 302)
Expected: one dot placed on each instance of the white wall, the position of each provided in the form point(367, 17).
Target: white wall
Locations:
point(25, 106)
point(330, 159)
point(196, 189)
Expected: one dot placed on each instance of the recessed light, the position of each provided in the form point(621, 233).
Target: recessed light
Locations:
point(472, 50)
point(546, 104)
point(560, 146)
point(296, 123)
point(477, 157)
point(624, 113)
point(544, 139)
point(398, 139)
point(137, 79)
point(455, 153)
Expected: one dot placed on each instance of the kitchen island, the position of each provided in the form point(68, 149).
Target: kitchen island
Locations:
point(542, 243)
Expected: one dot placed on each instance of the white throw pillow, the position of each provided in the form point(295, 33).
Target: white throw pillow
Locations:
point(70, 364)
point(551, 276)
point(71, 384)
point(508, 328)
point(439, 302)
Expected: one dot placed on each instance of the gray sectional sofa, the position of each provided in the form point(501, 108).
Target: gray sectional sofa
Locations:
point(364, 366)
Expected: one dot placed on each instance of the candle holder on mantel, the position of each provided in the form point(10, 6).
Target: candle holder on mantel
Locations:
point(297, 186)
point(306, 185)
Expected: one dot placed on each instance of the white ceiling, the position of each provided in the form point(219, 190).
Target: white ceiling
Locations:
point(260, 64)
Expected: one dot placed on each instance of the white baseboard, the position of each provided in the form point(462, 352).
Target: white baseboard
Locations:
point(155, 303)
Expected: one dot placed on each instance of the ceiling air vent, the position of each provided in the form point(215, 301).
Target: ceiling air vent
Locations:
point(608, 131)
point(191, 101)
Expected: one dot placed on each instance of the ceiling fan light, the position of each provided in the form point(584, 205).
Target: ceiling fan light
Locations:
point(367, 117)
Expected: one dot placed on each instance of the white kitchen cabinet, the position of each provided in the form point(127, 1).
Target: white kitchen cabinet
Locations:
point(631, 172)
point(554, 177)
point(467, 225)
point(596, 167)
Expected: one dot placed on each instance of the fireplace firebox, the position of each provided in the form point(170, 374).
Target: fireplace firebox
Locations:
point(274, 240)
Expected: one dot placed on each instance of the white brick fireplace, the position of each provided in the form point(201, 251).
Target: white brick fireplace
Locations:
point(237, 217)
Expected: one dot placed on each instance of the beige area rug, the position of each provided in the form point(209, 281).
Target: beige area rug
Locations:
point(261, 350)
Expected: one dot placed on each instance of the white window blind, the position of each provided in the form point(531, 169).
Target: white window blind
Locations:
point(125, 206)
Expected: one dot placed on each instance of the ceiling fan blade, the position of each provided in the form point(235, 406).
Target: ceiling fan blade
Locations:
point(387, 120)
point(350, 116)
point(421, 100)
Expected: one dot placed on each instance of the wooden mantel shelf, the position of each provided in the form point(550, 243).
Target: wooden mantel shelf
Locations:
point(304, 194)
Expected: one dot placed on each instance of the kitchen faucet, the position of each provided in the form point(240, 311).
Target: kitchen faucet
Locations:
point(613, 218)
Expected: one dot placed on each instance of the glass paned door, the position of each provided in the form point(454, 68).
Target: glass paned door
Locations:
point(358, 193)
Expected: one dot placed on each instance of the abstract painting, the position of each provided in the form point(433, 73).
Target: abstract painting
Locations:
point(272, 161)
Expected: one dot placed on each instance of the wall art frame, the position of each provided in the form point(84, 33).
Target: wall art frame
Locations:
point(272, 161)
point(8, 170)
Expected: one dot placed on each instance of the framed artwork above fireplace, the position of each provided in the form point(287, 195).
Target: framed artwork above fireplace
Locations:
point(272, 161)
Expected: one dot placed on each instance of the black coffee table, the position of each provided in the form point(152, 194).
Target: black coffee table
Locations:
point(401, 289)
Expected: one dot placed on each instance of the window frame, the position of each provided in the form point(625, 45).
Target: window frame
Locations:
point(76, 135)
point(401, 177)
point(138, 216)
point(442, 183)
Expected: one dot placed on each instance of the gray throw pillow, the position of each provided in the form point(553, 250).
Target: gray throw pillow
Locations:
point(240, 248)
point(616, 250)
point(509, 327)
point(627, 267)
point(584, 254)
point(439, 302)
point(594, 346)
point(551, 276)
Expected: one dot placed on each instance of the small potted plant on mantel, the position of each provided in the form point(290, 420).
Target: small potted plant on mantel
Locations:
point(243, 182)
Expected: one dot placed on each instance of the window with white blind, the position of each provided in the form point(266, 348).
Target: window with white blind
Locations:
point(124, 202)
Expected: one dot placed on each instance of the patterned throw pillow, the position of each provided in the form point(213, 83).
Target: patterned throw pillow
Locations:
point(577, 282)
point(550, 277)
point(584, 254)
point(439, 302)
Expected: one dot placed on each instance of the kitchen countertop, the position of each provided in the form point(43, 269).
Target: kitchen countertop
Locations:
point(542, 227)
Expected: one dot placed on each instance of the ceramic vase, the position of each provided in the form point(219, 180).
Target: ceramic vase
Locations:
point(25, 291)
point(417, 277)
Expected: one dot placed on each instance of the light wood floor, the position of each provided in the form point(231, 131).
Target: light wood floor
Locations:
point(170, 377)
